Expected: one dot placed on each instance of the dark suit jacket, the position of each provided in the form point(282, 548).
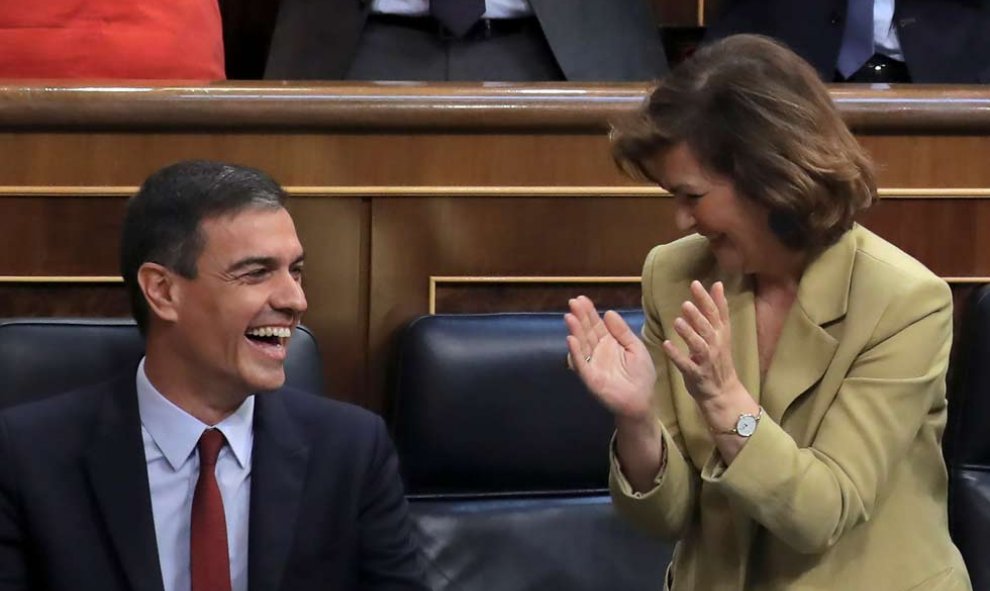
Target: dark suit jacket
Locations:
point(944, 41)
point(327, 507)
point(591, 39)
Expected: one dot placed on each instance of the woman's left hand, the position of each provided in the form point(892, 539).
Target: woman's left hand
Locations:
point(707, 366)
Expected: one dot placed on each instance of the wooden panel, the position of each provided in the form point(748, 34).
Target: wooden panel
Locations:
point(435, 108)
point(340, 159)
point(941, 161)
point(949, 236)
point(396, 185)
point(60, 236)
point(334, 233)
point(60, 299)
point(510, 295)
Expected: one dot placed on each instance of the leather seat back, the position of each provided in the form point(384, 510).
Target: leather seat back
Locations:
point(505, 454)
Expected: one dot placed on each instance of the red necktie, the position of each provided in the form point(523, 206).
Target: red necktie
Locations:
point(208, 558)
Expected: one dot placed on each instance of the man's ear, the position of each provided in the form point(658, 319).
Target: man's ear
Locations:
point(160, 291)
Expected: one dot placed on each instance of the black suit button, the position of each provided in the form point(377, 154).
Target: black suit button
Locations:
point(836, 18)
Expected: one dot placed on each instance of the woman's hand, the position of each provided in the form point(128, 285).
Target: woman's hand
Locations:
point(707, 367)
point(611, 360)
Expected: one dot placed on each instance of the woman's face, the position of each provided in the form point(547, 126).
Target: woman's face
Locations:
point(707, 203)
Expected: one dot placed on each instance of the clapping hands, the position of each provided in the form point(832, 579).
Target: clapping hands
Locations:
point(610, 359)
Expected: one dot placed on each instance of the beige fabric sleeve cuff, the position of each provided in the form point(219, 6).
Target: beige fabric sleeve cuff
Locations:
point(674, 468)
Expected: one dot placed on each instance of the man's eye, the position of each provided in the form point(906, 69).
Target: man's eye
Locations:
point(256, 273)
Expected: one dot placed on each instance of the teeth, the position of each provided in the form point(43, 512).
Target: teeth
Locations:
point(271, 331)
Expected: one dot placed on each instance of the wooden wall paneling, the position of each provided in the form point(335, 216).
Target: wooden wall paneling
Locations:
point(334, 234)
point(310, 159)
point(923, 160)
point(415, 238)
point(487, 295)
point(60, 235)
point(61, 298)
point(947, 235)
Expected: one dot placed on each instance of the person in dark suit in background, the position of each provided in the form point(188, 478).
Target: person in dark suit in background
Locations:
point(929, 41)
point(507, 40)
point(175, 476)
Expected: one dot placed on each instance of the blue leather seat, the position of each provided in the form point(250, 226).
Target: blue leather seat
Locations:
point(505, 455)
point(967, 438)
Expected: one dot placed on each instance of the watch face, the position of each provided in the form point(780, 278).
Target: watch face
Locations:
point(746, 425)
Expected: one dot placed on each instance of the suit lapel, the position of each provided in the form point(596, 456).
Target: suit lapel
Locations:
point(805, 348)
point(119, 477)
point(278, 473)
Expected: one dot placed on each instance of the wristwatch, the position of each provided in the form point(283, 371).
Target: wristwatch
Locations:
point(746, 424)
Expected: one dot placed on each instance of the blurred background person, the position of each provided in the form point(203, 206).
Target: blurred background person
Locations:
point(931, 41)
point(782, 416)
point(466, 40)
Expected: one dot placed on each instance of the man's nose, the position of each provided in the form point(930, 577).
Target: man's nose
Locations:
point(289, 295)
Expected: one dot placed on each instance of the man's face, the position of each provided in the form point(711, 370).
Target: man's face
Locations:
point(233, 321)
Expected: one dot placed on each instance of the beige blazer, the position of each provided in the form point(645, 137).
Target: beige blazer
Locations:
point(843, 485)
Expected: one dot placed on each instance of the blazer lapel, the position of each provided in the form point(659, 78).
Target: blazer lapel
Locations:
point(278, 473)
point(742, 313)
point(805, 347)
point(119, 477)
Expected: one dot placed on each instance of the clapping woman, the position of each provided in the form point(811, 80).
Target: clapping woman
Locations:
point(781, 416)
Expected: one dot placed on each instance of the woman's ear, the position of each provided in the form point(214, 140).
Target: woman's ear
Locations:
point(159, 289)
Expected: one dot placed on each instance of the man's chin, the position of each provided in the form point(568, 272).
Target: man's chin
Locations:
point(267, 381)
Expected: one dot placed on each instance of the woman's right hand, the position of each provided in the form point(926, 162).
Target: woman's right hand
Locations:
point(611, 360)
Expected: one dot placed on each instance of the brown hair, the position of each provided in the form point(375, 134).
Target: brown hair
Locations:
point(753, 111)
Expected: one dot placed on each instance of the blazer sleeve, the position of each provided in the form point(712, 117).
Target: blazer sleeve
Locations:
point(664, 510)
point(13, 562)
point(809, 497)
point(389, 557)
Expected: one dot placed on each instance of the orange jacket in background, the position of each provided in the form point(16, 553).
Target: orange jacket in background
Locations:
point(179, 39)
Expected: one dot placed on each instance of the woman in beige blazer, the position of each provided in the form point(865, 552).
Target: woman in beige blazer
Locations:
point(781, 417)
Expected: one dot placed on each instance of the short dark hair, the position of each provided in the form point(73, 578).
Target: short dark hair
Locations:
point(753, 111)
point(163, 223)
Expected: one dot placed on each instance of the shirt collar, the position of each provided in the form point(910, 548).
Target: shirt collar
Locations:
point(177, 432)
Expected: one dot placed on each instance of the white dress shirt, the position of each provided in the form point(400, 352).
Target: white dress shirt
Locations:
point(493, 8)
point(170, 436)
point(885, 39)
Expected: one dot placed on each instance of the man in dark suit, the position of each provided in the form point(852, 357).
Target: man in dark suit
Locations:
point(929, 41)
point(175, 476)
point(519, 40)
